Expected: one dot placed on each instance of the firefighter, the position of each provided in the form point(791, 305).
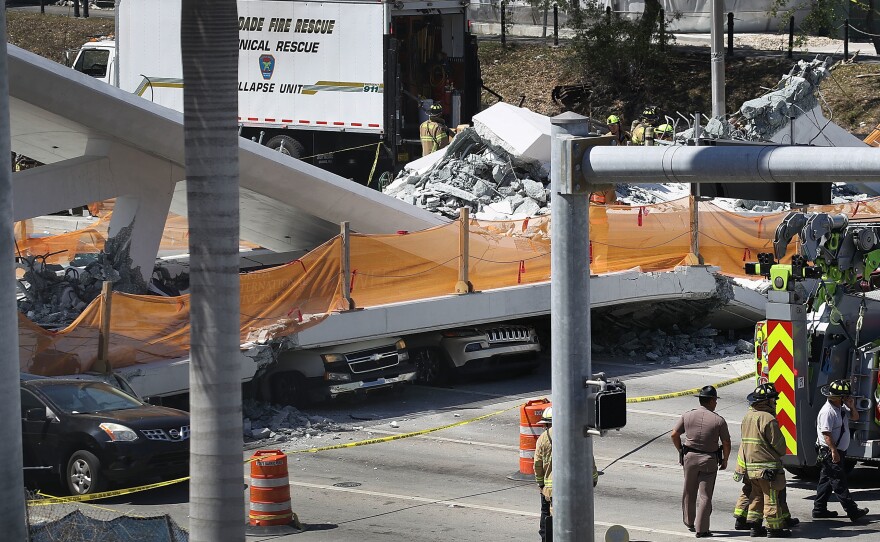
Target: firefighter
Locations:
point(621, 137)
point(760, 457)
point(701, 455)
point(434, 133)
point(643, 131)
point(832, 428)
point(543, 473)
point(745, 518)
point(664, 132)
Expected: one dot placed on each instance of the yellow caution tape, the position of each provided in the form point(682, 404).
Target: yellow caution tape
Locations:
point(128, 491)
point(400, 436)
point(103, 494)
point(692, 391)
point(375, 161)
point(339, 150)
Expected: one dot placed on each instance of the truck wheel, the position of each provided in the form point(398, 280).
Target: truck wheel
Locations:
point(286, 145)
point(430, 367)
point(289, 389)
point(83, 474)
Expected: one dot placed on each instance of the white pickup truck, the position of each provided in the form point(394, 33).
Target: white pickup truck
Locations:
point(295, 377)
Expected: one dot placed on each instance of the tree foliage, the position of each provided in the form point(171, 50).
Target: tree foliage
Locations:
point(623, 60)
point(826, 17)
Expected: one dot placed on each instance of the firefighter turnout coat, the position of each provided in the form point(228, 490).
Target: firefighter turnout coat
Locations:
point(763, 444)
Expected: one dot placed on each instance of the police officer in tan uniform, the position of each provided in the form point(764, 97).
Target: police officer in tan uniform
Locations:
point(705, 448)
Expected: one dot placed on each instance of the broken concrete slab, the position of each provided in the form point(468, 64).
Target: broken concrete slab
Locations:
point(521, 132)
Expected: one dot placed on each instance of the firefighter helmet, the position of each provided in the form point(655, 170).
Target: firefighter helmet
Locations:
point(838, 388)
point(665, 129)
point(435, 110)
point(762, 393)
point(613, 119)
point(651, 113)
point(547, 416)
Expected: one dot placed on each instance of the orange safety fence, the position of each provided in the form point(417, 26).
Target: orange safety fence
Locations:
point(64, 247)
point(404, 267)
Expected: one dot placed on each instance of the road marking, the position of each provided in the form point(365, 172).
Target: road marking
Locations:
point(458, 504)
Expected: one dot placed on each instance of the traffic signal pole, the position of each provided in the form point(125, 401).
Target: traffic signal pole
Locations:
point(580, 165)
point(570, 360)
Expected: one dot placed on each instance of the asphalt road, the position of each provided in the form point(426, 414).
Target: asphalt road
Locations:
point(453, 484)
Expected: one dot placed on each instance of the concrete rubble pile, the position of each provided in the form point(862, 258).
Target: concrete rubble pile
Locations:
point(53, 299)
point(499, 169)
point(274, 423)
point(673, 346)
point(765, 117)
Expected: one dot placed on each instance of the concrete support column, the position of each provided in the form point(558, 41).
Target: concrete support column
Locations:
point(148, 214)
point(571, 364)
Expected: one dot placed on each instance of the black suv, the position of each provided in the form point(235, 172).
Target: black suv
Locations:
point(93, 434)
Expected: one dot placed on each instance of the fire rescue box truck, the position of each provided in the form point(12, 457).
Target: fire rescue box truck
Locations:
point(823, 324)
point(342, 84)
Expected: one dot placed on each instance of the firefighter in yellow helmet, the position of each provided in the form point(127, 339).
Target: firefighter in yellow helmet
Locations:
point(434, 133)
point(544, 475)
point(664, 132)
point(643, 131)
point(621, 137)
point(760, 458)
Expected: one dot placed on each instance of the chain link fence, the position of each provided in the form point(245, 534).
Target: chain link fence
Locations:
point(85, 522)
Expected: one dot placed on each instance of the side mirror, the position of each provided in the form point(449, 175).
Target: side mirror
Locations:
point(153, 400)
point(36, 415)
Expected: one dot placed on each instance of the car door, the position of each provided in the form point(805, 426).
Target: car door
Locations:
point(39, 439)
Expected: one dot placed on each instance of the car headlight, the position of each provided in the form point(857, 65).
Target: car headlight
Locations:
point(333, 358)
point(118, 432)
point(401, 344)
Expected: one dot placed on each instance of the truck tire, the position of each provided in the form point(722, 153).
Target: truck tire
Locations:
point(286, 145)
point(431, 368)
point(289, 389)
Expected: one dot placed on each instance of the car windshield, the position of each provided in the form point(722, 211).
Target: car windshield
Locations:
point(79, 397)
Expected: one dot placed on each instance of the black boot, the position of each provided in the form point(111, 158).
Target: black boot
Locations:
point(758, 531)
point(791, 522)
point(857, 513)
point(778, 533)
point(741, 524)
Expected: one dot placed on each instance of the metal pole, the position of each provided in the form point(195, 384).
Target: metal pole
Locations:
point(555, 25)
point(103, 362)
point(345, 262)
point(571, 364)
point(846, 39)
point(790, 36)
point(735, 165)
point(463, 286)
point(730, 34)
point(695, 200)
point(717, 57)
point(12, 505)
point(503, 23)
